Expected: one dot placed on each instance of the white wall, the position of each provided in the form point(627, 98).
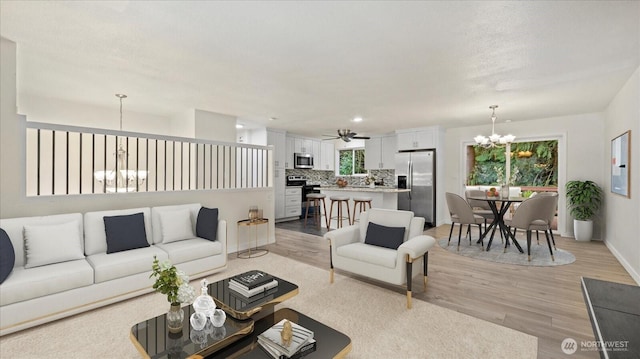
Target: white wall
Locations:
point(183, 124)
point(623, 214)
point(215, 126)
point(253, 136)
point(579, 137)
point(11, 155)
point(41, 109)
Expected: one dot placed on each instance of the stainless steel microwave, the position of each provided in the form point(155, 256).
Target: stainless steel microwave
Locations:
point(303, 160)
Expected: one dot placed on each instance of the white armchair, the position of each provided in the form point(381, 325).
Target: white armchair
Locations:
point(353, 251)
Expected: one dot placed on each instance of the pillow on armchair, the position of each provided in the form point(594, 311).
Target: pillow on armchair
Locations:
point(383, 236)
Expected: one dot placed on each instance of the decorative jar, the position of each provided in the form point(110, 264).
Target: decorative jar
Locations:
point(218, 318)
point(204, 303)
point(198, 320)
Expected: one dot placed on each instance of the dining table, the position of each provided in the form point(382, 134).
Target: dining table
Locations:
point(498, 215)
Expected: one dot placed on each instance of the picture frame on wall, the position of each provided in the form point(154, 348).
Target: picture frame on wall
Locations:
point(620, 164)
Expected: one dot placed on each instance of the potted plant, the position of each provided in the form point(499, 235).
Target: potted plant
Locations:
point(174, 283)
point(583, 199)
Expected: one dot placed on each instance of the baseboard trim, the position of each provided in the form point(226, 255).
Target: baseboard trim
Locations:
point(635, 275)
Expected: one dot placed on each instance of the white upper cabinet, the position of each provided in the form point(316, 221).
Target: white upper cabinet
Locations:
point(303, 145)
point(418, 139)
point(277, 139)
point(328, 155)
point(389, 150)
point(316, 150)
point(380, 152)
point(372, 153)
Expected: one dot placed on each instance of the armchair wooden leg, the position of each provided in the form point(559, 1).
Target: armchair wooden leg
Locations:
point(330, 264)
point(409, 278)
point(425, 262)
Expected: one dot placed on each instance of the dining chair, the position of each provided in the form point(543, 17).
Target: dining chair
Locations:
point(545, 226)
point(461, 213)
point(530, 214)
point(481, 208)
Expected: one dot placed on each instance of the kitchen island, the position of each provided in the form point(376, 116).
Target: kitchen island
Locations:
point(381, 197)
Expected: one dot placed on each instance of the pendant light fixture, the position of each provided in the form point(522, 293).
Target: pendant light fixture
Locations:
point(121, 179)
point(494, 140)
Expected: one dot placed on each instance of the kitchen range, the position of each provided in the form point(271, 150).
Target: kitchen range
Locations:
point(306, 188)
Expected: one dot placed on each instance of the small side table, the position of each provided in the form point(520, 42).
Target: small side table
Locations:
point(253, 252)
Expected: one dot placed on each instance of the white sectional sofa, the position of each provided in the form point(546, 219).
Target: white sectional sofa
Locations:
point(88, 277)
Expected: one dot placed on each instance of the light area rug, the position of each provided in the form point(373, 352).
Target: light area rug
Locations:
point(376, 320)
point(540, 256)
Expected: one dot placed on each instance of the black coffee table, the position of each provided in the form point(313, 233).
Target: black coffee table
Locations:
point(330, 343)
point(240, 307)
point(153, 340)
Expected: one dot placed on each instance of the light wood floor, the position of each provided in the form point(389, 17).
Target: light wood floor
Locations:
point(545, 302)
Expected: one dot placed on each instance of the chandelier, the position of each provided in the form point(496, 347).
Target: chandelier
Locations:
point(121, 179)
point(494, 140)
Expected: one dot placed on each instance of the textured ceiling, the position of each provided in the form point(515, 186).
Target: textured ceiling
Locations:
point(315, 65)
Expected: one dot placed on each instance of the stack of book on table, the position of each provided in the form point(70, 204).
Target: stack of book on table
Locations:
point(252, 282)
point(301, 344)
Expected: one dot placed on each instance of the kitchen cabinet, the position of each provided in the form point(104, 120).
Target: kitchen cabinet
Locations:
point(277, 139)
point(380, 152)
point(279, 185)
point(303, 145)
point(289, 152)
point(417, 139)
point(327, 156)
point(292, 201)
point(317, 154)
point(297, 144)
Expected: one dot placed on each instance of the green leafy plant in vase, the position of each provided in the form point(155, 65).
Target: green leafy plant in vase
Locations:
point(584, 199)
point(173, 283)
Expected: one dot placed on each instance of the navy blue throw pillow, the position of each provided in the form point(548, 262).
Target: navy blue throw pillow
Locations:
point(207, 223)
point(382, 236)
point(7, 255)
point(125, 232)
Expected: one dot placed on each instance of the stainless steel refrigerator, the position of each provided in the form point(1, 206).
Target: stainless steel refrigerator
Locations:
point(415, 170)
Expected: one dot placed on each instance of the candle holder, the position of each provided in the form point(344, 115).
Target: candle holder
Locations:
point(253, 213)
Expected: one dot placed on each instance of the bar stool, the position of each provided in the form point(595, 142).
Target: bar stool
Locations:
point(362, 203)
point(339, 201)
point(316, 198)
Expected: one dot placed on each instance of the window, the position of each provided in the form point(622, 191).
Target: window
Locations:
point(352, 162)
point(533, 164)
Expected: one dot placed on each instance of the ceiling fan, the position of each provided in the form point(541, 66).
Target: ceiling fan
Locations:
point(346, 135)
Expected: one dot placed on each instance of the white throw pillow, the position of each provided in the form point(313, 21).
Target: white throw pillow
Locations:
point(176, 225)
point(52, 243)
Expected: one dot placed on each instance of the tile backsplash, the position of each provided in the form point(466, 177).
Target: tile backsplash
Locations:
point(329, 177)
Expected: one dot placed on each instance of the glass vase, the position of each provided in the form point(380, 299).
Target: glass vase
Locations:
point(505, 191)
point(175, 318)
